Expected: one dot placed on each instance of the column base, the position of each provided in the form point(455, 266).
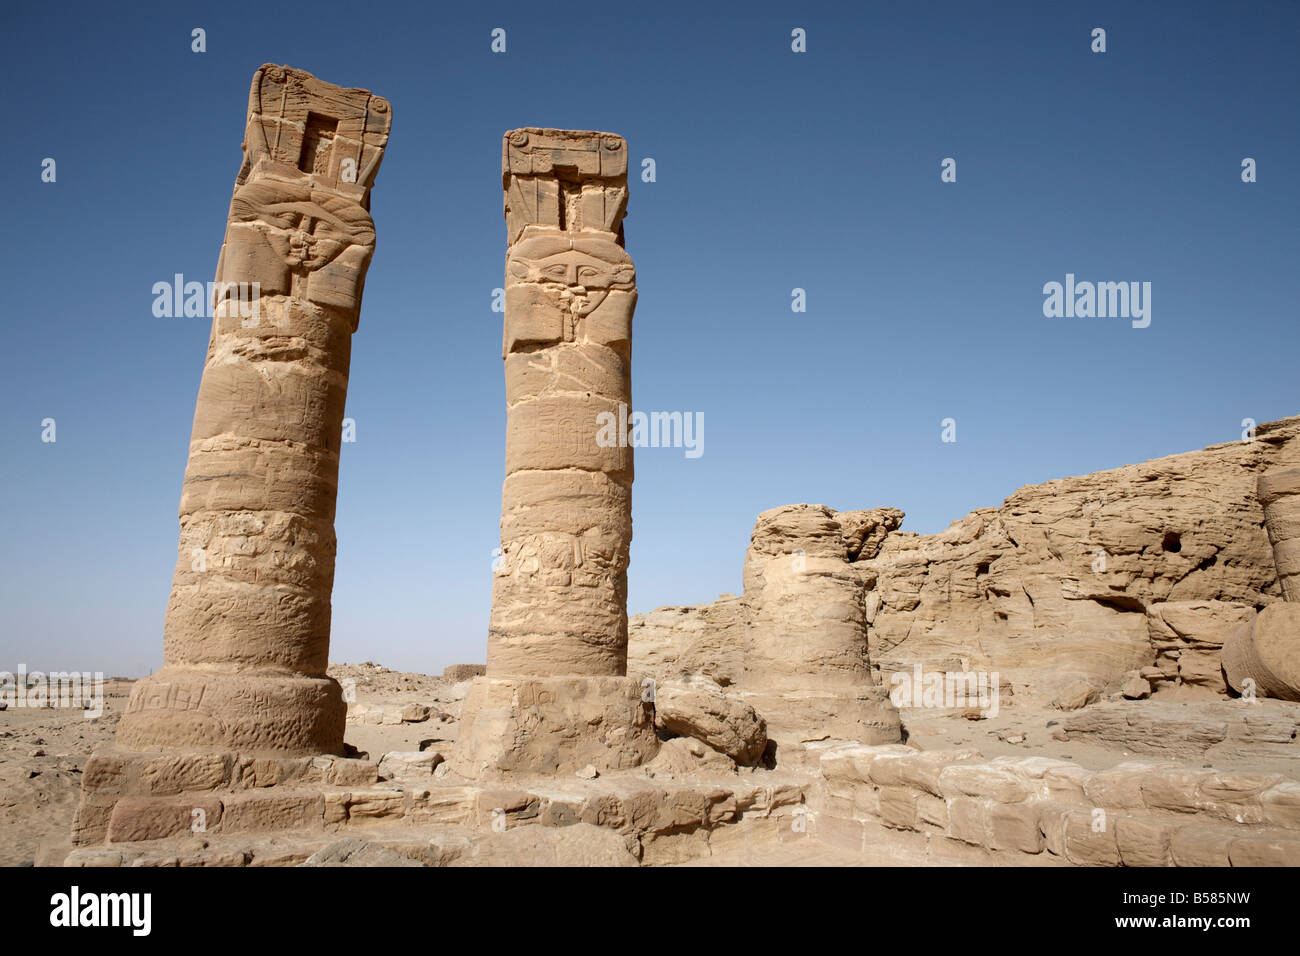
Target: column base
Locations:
point(128, 796)
point(185, 710)
point(864, 714)
point(553, 725)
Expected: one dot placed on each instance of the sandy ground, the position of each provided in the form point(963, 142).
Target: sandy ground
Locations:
point(43, 751)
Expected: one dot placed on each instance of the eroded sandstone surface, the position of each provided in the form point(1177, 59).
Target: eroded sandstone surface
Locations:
point(1145, 569)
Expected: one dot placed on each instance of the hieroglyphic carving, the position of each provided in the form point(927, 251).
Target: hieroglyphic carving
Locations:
point(247, 626)
point(559, 601)
point(299, 220)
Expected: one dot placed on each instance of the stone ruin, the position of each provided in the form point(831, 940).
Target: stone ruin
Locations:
point(246, 635)
point(1263, 653)
point(760, 722)
point(556, 696)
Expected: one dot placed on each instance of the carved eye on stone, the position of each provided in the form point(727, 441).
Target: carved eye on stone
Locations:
point(328, 230)
point(588, 272)
point(519, 269)
point(558, 272)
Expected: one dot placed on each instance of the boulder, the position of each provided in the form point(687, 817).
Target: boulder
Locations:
point(1136, 688)
point(408, 763)
point(1266, 651)
point(697, 707)
point(1075, 695)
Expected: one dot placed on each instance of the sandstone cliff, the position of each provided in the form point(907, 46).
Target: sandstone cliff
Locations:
point(1145, 567)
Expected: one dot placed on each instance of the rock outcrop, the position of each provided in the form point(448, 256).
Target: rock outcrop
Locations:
point(1145, 569)
point(674, 642)
point(1073, 579)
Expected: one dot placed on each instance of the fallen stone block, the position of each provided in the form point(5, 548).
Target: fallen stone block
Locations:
point(408, 763)
point(1275, 849)
point(966, 817)
point(1201, 845)
point(697, 707)
point(1281, 804)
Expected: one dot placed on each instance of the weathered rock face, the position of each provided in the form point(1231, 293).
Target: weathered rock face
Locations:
point(559, 599)
point(247, 628)
point(672, 642)
point(1188, 637)
point(1147, 567)
point(1069, 580)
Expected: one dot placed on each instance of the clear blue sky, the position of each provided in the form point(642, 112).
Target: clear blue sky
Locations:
point(775, 170)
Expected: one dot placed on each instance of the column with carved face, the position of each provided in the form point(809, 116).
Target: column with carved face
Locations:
point(559, 599)
point(246, 637)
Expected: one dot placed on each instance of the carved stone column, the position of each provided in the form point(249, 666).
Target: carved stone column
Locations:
point(246, 638)
point(556, 693)
point(559, 601)
point(1262, 657)
point(806, 661)
point(1279, 496)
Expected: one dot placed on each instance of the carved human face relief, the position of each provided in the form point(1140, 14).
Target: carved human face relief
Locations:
point(308, 228)
point(579, 271)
